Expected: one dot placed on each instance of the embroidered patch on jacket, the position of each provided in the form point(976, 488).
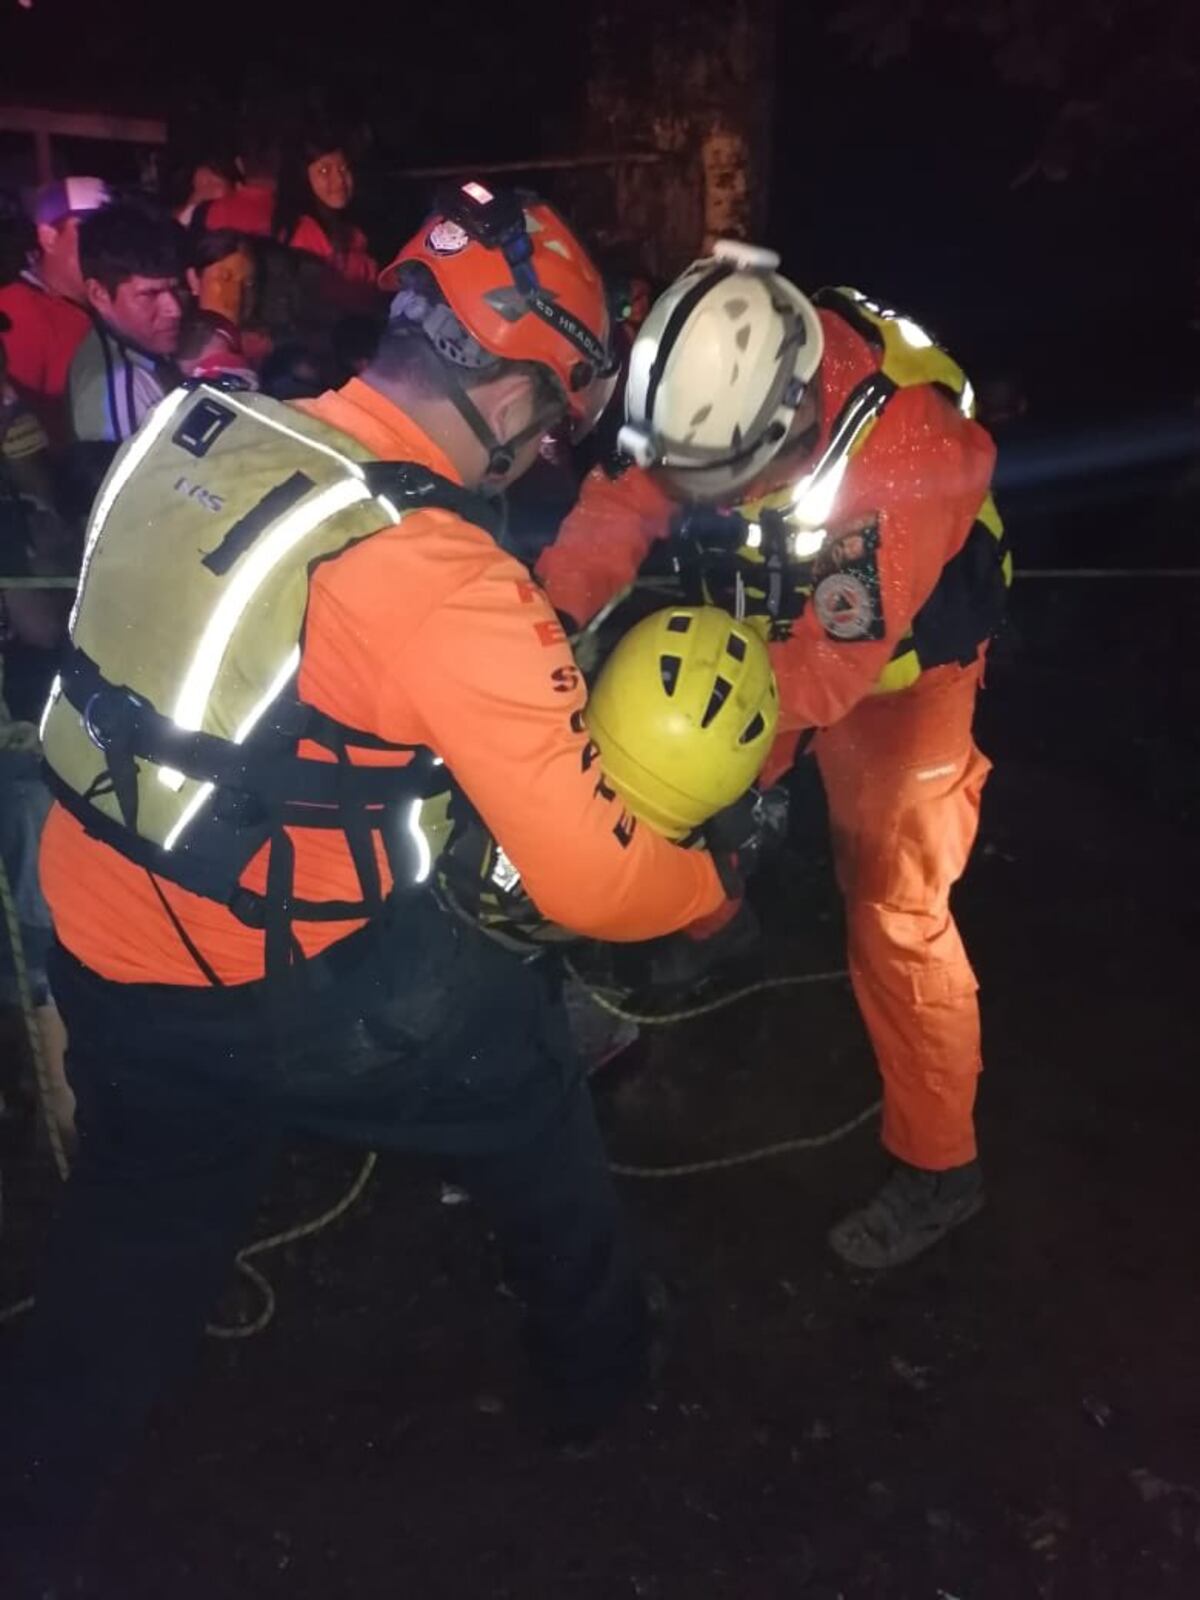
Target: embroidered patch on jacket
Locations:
point(846, 597)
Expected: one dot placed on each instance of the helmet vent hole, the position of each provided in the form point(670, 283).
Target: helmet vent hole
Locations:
point(679, 624)
point(507, 303)
point(721, 690)
point(735, 309)
point(754, 729)
point(701, 416)
point(668, 668)
point(742, 337)
point(735, 374)
point(736, 647)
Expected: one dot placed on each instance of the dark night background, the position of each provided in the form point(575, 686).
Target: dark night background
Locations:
point(1017, 1415)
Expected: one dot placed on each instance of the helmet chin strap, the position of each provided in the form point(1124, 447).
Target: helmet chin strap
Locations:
point(500, 457)
point(446, 345)
point(501, 454)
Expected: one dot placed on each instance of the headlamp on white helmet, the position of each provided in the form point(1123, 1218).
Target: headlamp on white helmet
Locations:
point(717, 371)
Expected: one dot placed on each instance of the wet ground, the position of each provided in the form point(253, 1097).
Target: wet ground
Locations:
point(1017, 1414)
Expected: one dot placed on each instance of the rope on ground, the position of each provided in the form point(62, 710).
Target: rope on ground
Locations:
point(43, 582)
point(690, 1169)
point(667, 584)
point(744, 1158)
point(651, 1019)
point(11, 1313)
point(33, 1030)
point(1107, 572)
point(33, 1027)
point(275, 1241)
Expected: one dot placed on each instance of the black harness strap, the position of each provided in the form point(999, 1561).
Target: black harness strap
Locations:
point(185, 938)
point(675, 326)
point(279, 905)
point(359, 831)
point(119, 777)
point(322, 729)
point(415, 488)
point(124, 725)
point(834, 300)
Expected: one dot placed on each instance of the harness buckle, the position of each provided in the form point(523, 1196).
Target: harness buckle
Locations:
point(291, 718)
point(238, 807)
point(107, 713)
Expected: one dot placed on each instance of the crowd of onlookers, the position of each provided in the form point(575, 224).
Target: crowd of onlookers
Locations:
point(111, 299)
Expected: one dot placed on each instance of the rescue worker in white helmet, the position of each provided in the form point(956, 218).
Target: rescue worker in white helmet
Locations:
point(817, 465)
point(321, 634)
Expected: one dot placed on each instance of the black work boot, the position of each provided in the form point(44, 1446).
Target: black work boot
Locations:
point(912, 1211)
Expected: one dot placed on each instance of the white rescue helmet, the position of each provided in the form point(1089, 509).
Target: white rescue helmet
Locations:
point(717, 371)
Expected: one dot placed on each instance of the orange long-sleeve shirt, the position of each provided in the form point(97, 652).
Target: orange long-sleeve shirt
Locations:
point(426, 633)
point(920, 478)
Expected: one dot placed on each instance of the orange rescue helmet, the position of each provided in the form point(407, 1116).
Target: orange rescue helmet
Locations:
point(523, 286)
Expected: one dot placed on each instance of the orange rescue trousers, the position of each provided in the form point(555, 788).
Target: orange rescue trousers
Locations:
point(903, 778)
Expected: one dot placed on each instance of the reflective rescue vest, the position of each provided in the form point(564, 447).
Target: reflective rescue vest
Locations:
point(766, 568)
point(172, 731)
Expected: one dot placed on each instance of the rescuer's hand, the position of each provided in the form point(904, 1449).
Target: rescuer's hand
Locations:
point(678, 963)
point(753, 827)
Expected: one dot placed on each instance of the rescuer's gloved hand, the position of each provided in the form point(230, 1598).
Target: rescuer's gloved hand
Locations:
point(751, 828)
point(709, 530)
point(676, 965)
point(682, 961)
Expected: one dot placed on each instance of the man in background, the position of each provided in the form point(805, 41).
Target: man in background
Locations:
point(132, 265)
point(44, 299)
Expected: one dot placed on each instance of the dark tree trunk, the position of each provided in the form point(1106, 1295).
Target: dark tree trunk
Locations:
point(695, 86)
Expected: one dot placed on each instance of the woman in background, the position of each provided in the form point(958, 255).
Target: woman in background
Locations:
point(312, 212)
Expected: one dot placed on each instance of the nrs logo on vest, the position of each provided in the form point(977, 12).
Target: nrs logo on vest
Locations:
point(204, 498)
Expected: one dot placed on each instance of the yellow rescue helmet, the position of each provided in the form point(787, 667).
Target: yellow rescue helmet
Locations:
point(683, 714)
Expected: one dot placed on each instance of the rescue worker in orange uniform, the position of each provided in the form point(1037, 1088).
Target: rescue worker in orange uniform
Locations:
point(818, 470)
point(259, 700)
